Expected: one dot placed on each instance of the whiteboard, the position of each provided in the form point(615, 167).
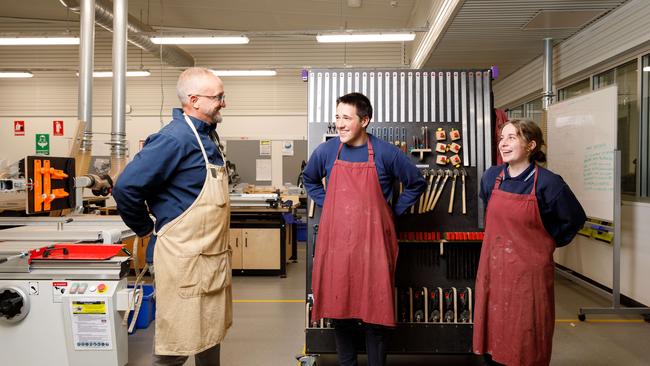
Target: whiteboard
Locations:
point(581, 145)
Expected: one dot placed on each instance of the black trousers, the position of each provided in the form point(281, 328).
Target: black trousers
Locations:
point(350, 334)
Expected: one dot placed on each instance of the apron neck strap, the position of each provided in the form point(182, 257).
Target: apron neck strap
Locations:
point(532, 192)
point(497, 183)
point(371, 151)
point(198, 139)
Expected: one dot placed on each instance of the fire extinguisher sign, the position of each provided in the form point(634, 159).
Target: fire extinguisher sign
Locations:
point(57, 128)
point(19, 128)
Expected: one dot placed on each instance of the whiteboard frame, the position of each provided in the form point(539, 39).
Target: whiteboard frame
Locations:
point(576, 128)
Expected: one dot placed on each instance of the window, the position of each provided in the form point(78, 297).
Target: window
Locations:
point(644, 155)
point(531, 110)
point(517, 112)
point(574, 90)
point(626, 78)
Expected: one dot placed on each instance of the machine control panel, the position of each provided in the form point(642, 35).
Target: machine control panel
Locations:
point(82, 288)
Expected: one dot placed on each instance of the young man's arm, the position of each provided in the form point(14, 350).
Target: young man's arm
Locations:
point(413, 182)
point(313, 174)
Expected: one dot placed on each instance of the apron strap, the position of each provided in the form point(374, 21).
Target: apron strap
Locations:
point(497, 183)
point(532, 192)
point(196, 134)
point(371, 152)
point(214, 136)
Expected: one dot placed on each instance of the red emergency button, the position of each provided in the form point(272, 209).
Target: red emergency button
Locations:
point(101, 288)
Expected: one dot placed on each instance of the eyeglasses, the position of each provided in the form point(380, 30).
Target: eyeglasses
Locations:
point(218, 98)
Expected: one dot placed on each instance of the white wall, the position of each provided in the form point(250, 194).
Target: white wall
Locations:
point(277, 127)
point(593, 258)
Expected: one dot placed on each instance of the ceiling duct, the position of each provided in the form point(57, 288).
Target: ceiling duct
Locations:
point(172, 55)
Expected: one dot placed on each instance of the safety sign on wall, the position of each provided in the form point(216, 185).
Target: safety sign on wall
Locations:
point(19, 128)
point(57, 128)
point(42, 144)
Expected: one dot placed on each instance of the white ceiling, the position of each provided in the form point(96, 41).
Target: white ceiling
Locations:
point(483, 32)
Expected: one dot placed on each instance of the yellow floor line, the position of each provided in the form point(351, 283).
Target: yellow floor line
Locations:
point(270, 301)
point(600, 321)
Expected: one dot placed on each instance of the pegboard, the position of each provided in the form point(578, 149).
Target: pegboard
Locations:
point(410, 107)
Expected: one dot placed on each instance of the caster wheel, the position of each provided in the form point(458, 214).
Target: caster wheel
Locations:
point(582, 317)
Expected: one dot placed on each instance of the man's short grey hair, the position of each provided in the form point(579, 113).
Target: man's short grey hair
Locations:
point(189, 81)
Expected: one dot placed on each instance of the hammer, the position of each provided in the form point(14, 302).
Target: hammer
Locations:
point(425, 199)
point(453, 190)
point(463, 173)
point(439, 174)
point(442, 187)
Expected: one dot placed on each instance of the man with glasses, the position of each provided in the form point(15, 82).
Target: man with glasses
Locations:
point(180, 177)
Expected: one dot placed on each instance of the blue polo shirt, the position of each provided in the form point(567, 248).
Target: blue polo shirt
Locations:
point(392, 165)
point(166, 176)
point(561, 213)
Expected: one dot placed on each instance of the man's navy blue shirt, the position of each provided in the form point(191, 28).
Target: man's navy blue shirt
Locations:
point(167, 175)
point(561, 213)
point(391, 163)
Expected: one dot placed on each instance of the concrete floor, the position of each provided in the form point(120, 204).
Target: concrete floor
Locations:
point(269, 318)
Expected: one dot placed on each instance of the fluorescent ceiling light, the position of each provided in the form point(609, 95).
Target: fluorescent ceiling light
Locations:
point(201, 40)
point(38, 41)
point(368, 37)
point(15, 74)
point(244, 72)
point(646, 68)
point(109, 74)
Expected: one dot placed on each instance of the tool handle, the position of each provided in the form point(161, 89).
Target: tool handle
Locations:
point(4, 259)
point(435, 199)
point(312, 207)
point(464, 205)
point(451, 197)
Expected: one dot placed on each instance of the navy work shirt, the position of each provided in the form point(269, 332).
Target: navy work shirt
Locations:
point(391, 163)
point(561, 213)
point(167, 175)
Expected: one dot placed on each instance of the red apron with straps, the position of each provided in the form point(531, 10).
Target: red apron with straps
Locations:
point(514, 316)
point(356, 249)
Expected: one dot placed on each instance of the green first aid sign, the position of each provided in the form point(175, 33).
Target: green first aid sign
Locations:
point(42, 144)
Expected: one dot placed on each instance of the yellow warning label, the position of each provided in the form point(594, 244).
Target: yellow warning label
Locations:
point(89, 307)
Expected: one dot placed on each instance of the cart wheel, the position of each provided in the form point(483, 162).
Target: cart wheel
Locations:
point(582, 317)
point(307, 360)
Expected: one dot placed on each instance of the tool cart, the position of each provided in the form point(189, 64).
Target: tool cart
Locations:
point(443, 120)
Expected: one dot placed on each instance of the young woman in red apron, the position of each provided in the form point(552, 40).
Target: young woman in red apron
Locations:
point(514, 313)
point(356, 249)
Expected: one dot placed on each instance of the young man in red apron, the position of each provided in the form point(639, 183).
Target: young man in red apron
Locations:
point(356, 249)
point(180, 175)
point(530, 211)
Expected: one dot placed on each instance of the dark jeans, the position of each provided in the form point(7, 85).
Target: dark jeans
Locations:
point(209, 357)
point(350, 334)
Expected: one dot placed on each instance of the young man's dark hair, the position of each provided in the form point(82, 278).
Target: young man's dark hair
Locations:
point(360, 101)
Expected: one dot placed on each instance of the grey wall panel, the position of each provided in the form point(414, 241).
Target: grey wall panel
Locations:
point(291, 164)
point(244, 153)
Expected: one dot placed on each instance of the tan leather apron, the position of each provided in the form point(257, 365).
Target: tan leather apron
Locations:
point(192, 258)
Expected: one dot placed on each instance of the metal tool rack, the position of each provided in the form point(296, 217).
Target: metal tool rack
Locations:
point(436, 249)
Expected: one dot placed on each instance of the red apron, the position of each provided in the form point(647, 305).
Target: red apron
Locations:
point(514, 314)
point(356, 249)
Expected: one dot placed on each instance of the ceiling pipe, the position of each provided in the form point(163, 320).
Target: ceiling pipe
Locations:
point(172, 55)
point(547, 94)
point(86, 62)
